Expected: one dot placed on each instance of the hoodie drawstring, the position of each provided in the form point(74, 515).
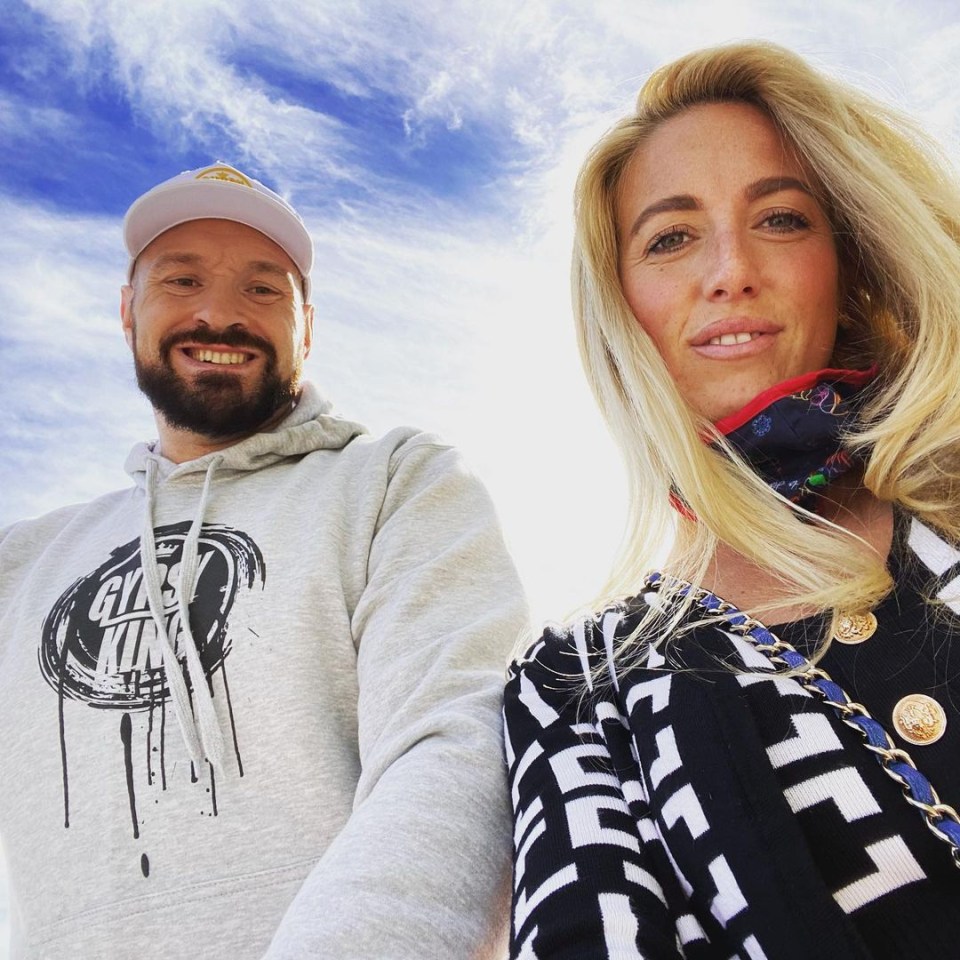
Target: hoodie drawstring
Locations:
point(205, 740)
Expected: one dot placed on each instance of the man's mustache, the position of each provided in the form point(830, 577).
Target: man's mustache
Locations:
point(231, 337)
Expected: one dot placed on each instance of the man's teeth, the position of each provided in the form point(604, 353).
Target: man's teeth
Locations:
point(215, 356)
point(730, 339)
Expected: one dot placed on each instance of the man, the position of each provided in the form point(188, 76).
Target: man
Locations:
point(250, 706)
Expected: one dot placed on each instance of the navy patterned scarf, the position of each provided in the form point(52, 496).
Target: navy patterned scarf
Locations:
point(791, 433)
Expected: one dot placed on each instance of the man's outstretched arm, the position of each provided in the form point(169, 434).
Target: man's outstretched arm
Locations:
point(421, 870)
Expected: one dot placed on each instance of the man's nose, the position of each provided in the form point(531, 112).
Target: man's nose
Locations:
point(218, 311)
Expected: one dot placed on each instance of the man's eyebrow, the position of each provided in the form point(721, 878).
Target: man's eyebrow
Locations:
point(167, 260)
point(682, 201)
point(269, 266)
point(175, 260)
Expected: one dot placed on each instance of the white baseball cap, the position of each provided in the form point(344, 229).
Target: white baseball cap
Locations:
point(218, 192)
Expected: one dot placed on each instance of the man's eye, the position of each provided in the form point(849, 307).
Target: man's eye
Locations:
point(263, 291)
point(183, 281)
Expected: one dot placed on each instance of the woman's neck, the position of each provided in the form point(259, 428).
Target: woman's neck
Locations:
point(747, 585)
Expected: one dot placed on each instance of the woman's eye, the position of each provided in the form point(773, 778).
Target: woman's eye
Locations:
point(785, 221)
point(667, 242)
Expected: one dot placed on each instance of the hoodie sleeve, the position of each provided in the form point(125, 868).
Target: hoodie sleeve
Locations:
point(421, 870)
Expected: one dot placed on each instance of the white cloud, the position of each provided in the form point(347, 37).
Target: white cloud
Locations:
point(64, 369)
point(173, 62)
point(22, 120)
point(465, 329)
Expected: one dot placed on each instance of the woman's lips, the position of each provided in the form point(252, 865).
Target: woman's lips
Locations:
point(736, 326)
point(734, 337)
point(735, 346)
point(730, 339)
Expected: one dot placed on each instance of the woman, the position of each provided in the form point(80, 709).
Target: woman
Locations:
point(767, 291)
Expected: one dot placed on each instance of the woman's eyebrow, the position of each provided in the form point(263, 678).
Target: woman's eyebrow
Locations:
point(768, 185)
point(682, 201)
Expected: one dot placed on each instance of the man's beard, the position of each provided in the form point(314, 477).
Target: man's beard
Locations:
point(213, 404)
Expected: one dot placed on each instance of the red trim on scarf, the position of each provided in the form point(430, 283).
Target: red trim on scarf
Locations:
point(730, 422)
point(682, 508)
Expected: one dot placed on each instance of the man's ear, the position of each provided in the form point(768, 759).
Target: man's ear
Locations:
point(126, 313)
point(307, 329)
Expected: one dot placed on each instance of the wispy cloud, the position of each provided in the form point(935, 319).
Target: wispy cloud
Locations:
point(64, 372)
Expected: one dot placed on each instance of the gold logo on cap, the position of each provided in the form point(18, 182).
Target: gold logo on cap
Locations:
point(224, 173)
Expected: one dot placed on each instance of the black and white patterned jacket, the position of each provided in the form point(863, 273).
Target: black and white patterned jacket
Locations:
point(710, 813)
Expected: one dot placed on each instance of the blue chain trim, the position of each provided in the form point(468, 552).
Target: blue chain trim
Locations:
point(942, 820)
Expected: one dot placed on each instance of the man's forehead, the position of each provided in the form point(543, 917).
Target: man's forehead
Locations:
point(213, 242)
point(161, 261)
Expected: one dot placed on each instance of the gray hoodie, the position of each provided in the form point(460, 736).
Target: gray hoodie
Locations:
point(269, 729)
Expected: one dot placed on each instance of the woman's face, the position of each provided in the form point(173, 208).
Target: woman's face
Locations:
point(727, 260)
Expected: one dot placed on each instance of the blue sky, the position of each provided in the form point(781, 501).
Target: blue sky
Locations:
point(432, 148)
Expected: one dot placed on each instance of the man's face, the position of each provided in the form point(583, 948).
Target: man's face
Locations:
point(218, 328)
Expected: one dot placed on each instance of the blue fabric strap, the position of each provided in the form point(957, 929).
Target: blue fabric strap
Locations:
point(918, 790)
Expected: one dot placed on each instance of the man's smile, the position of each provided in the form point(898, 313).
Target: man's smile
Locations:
point(206, 355)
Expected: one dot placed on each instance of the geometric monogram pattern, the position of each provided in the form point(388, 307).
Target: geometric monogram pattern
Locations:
point(718, 810)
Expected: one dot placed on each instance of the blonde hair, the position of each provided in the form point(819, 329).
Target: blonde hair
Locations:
point(895, 212)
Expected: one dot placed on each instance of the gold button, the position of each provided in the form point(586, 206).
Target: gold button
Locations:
point(854, 627)
point(919, 719)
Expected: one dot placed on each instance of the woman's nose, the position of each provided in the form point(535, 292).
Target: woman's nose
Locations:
point(731, 271)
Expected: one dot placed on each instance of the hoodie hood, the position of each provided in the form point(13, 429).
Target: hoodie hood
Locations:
point(310, 426)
